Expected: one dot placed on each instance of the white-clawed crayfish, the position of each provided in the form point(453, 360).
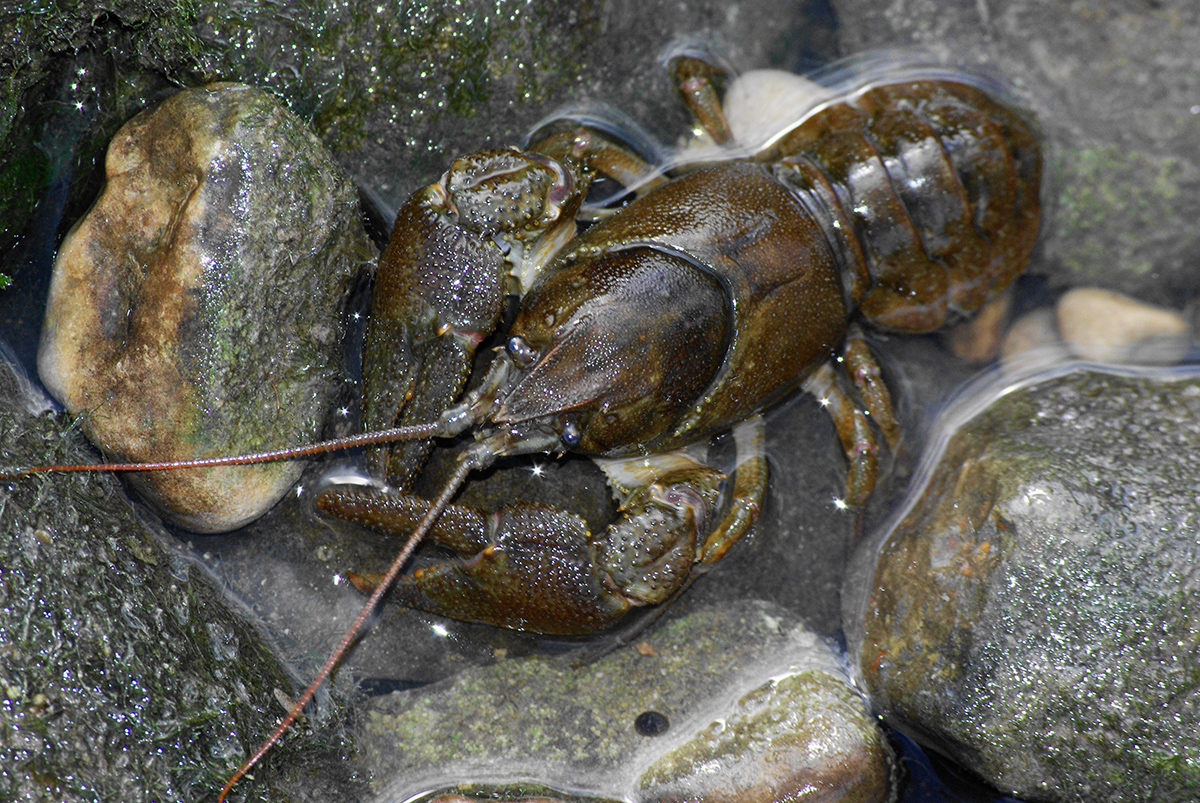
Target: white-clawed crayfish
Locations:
point(728, 286)
point(731, 280)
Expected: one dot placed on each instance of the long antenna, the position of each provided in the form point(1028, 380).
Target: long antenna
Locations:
point(431, 516)
point(365, 439)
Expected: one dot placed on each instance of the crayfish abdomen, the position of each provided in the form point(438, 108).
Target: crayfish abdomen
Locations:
point(927, 190)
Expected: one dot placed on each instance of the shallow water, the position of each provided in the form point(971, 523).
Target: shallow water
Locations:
point(289, 568)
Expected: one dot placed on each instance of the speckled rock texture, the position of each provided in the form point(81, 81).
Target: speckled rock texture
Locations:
point(752, 707)
point(124, 673)
point(1034, 612)
point(397, 90)
point(798, 735)
point(197, 310)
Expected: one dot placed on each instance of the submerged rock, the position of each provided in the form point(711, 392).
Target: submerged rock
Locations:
point(1106, 326)
point(802, 734)
point(1090, 323)
point(124, 674)
point(197, 310)
point(722, 705)
point(1033, 613)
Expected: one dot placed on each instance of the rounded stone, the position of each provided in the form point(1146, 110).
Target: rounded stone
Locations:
point(196, 310)
point(1100, 324)
point(759, 709)
point(805, 734)
point(1034, 337)
point(1032, 611)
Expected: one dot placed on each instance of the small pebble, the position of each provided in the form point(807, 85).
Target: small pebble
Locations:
point(1102, 325)
point(979, 339)
point(762, 103)
point(1033, 341)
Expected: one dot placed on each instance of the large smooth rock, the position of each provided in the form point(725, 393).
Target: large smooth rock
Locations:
point(1033, 612)
point(197, 310)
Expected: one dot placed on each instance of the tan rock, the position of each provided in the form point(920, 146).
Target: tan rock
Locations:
point(979, 339)
point(1033, 343)
point(196, 309)
point(1102, 325)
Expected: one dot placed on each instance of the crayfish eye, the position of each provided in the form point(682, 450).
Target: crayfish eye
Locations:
point(520, 351)
point(569, 434)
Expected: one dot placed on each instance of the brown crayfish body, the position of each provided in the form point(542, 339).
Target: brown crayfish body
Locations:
point(734, 277)
point(906, 203)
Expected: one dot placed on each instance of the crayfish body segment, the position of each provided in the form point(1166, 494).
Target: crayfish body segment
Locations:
point(905, 203)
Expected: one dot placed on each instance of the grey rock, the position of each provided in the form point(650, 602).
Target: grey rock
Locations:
point(196, 311)
point(77, 72)
point(124, 673)
point(1033, 610)
point(399, 91)
point(745, 688)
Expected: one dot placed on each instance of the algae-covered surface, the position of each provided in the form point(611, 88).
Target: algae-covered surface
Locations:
point(738, 694)
point(124, 675)
point(1034, 612)
point(59, 103)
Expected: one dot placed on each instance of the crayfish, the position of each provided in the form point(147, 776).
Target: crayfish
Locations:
point(732, 279)
point(729, 285)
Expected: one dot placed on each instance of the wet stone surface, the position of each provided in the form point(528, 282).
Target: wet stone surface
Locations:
point(804, 731)
point(395, 90)
point(124, 674)
point(398, 90)
point(197, 310)
point(1034, 612)
point(746, 705)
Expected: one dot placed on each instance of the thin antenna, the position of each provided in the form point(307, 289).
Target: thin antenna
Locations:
point(431, 516)
point(365, 439)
